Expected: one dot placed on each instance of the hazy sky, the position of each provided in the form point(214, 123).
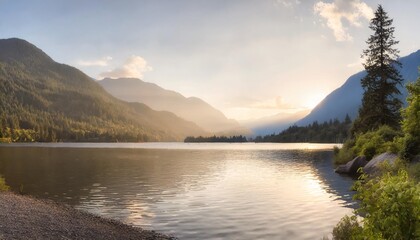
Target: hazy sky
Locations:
point(248, 58)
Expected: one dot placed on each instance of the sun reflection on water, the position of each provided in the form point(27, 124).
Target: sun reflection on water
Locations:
point(194, 193)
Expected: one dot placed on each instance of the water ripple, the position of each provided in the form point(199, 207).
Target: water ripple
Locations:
point(227, 192)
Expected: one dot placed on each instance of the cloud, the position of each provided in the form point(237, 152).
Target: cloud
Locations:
point(134, 67)
point(102, 62)
point(353, 11)
point(287, 3)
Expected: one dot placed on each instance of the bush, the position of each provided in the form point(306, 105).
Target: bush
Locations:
point(414, 172)
point(384, 139)
point(410, 147)
point(411, 122)
point(390, 206)
point(348, 228)
point(369, 150)
point(345, 154)
point(374, 142)
point(3, 186)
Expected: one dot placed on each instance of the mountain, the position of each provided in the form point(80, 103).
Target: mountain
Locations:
point(273, 124)
point(347, 98)
point(192, 108)
point(43, 100)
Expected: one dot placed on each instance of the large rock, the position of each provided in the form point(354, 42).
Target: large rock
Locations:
point(373, 166)
point(352, 166)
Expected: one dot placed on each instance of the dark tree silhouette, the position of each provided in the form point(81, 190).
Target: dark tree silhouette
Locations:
point(214, 139)
point(380, 105)
point(332, 131)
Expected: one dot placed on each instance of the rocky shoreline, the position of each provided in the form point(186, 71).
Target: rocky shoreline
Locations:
point(23, 217)
point(370, 167)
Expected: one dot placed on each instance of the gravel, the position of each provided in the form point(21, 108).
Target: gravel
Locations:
point(23, 217)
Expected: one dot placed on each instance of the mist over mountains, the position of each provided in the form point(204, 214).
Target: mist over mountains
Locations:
point(344, 100)
point(347, 98)
point(42, 100)
point(273, 124)
point(49, 101)
point(191, 108)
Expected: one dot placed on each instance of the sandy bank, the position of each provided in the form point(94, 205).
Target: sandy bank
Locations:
point(22, 217)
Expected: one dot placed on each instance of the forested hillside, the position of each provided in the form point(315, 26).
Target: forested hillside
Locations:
point(41, 100)
point(332, 131)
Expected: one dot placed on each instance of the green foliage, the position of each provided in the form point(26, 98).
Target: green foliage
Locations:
point(41, 100)
point(390, 206)
point(347, 229)
point(3, 185)
point(380, 105)
point(332, 131)
point(389, 202)
point(369, 144)
point(346, 153)
point(414, 171)
point(411, 122)
point(410, 146)
point(230, 139)
point(375, 142)
point(411, 113)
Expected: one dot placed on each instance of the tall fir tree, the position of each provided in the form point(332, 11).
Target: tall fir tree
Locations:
point(380, 104)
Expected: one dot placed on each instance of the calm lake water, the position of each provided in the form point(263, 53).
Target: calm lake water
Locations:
point(191, 191)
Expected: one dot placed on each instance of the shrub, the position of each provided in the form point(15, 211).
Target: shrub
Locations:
point(3, 185)
point(414, 172)
point(369, 144)
point(390, 206)
point(411, 122)
point(369, 150)
point(410, 147)
point(344, 154)
point(379, 141)
point(347, 229)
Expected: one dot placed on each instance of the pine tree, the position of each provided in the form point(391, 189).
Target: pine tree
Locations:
point(347, 119)
point(380, 105)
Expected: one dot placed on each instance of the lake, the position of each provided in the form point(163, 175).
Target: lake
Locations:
point(191, 191)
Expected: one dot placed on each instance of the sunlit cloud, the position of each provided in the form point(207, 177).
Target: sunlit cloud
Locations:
point(102, 62)
point(134, 67)
point(340, 11)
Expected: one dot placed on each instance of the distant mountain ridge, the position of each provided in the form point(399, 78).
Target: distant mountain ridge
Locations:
point(273, 124)
point(192, 108)
point(43, 100)
point(347, 98)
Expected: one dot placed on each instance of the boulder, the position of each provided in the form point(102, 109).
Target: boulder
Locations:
point(352, 166)
point(373, 166)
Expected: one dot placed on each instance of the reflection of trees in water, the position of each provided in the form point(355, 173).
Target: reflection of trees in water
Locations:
point(323, 167)
point(126, 183)
point(72, 175)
